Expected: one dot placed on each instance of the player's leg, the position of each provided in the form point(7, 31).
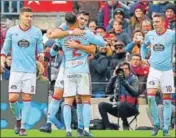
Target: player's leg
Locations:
point(152, 88)
point(52, 110)
point(86, 114)
point(14, 93)
point(79, 111)
point(84, 89)
point(55, 102)
point(28, 89)
point(26, 98)
point(70, 89)
point(67, 114)
point(167, 88)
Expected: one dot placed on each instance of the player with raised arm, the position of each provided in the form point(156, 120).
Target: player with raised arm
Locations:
point(23, 41)
point(161, 74)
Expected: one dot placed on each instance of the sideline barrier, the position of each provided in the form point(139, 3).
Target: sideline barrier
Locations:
point(39, 104)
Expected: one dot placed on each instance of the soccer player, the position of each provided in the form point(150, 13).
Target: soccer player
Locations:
point(63, 31)
point(161, 72)
point(76, 74)
point(23, 40)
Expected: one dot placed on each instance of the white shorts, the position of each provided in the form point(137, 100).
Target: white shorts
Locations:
point(60, 79)
point(163, 80)
point(22, 82)
point(77, 84)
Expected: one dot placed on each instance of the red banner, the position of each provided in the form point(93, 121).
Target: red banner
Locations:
point(49, 6)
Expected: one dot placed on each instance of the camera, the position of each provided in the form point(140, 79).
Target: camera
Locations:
point(120, 73)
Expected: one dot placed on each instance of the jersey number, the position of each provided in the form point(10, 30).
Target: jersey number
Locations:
point(75, 53)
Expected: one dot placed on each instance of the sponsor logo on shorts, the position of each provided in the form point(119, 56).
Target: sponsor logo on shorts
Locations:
point(158, 47)
point(74, 76)
point(13, 87)
point(151, 82)
point(23, 43)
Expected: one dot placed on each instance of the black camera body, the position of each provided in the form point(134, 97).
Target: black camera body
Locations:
point(120, 73)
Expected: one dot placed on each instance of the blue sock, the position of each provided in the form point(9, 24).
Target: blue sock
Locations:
point(80, 115)
point(15, 108)
point(167, 114)
point(86, 116)
point(52, 109)
point(67, 117)
point(153, 109)
point(25, 113)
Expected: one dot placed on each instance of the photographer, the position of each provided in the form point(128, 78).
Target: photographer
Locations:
point(125, 88)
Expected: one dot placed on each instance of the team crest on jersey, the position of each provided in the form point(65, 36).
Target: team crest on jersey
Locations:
point(158, 47)
point(23, 43)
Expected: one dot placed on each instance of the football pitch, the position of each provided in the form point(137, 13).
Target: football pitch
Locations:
point(96, 133)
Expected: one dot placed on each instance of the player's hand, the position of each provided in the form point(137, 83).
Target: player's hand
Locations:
point(49, 32)
point(2, 67)
point(78, 32)
point(145, 62)
point(41, 56)
point(71, 44)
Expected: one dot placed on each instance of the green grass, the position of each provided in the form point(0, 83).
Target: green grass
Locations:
point(96, 133)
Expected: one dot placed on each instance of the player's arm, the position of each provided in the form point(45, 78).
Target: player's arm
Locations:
point(59, 33)
point(55, 48)
point(91, 49)
point(6, 48)
point(96, 39)
point(144, 47)
point(40, 47)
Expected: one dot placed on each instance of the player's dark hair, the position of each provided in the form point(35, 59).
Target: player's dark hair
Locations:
point(84, 13)
point(70, 18)
point(25, 9)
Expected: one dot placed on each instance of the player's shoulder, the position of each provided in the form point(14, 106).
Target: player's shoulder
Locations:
point(151, 32)
point(170, 31)
point(36, 28)
point(63, 27)
point(13, 28)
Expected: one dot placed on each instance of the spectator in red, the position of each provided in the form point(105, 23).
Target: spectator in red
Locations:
point(106, 13)
point(3, 34)
point(171, 16)
point(140, 70)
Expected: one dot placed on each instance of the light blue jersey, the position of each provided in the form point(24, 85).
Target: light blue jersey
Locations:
point(99, 39)
point(161, 49)
point(23, 46)
point(76, 60)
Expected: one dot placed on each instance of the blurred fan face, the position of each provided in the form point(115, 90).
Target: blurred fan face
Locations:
point(100, 32)
point(92, 26)
point(111, 2)
point(139, 13)
point(146, 27)
point(126, 70)
point(9, 60)
point(83, 21)
point(117, 27)
point(118, 17)
point(170, 14)
point(135, 61)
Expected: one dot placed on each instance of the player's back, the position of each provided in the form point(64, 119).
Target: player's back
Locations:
point(76, 61)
